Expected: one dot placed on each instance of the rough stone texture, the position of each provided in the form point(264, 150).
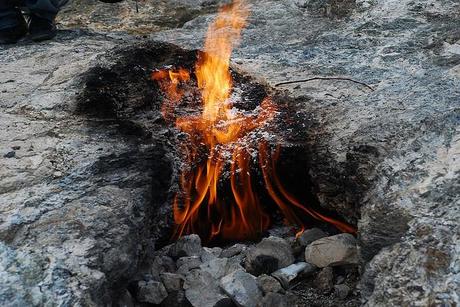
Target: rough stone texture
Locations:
point(276, 299)
point(388, 157)
point(242, 288)
point(310, 235)
point(336, 250)
point(268, 255)
point(341, 291)
point(202, 290)
point(186, 246)
point(210, 253)
point(325, 279)
point(389, 154)
point(172, 282)
point(185, 264)
point(269, 284)
point(152, 292)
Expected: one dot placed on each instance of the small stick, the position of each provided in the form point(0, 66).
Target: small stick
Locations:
point(325, 78)
point(137, 7)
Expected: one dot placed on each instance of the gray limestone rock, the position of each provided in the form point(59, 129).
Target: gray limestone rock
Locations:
point(233, 250)
point(268, 255)
point(77, 198)
point(186, 246)
point(202, 290)
point(210, 253)
point(172, 282)
point(185, 264)
point(151, 291)
point(336, 250)
point(242, 288)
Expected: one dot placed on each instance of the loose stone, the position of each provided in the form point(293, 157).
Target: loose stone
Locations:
point(242, 288)
point(151, 292)
point(269, 255)
point(336, 250)
point(286, 275)
point(269, 284)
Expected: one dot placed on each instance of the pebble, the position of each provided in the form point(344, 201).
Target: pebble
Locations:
point(341, 291)
point(172, 281)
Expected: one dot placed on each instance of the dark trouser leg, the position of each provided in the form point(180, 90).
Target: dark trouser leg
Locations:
point(45, 8)
point(8, 14)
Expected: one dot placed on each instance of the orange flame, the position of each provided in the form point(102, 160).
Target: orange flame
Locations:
point(201, 206)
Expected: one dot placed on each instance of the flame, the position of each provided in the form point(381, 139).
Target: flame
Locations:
point(202, 206)
point(169, 81)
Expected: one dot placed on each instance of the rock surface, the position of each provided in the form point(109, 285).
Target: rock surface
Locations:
point(389, 156)
point(152, 292)
point(268, 255)
point(336, 250)
point(242, 288)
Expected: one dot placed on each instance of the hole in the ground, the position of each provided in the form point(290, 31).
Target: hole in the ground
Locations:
point(120, 91)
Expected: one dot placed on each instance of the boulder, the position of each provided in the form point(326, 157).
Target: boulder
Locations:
point(336, 250)
point(268, 255)
point(242, 288)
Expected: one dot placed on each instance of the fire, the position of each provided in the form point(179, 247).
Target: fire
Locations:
point(202, 206)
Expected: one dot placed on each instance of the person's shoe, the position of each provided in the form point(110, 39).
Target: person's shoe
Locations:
point(41, 29)
point(13, 34)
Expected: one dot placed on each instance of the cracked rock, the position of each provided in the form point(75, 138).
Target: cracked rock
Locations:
point(242, 288)
point(336, 250)
point(202, 290)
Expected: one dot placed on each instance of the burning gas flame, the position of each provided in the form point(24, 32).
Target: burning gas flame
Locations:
point(200, 206)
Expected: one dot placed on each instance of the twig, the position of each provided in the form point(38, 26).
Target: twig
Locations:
point(137, 7)
point(325, 78)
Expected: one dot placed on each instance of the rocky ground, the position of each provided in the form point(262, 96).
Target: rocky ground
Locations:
point(74, 191)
